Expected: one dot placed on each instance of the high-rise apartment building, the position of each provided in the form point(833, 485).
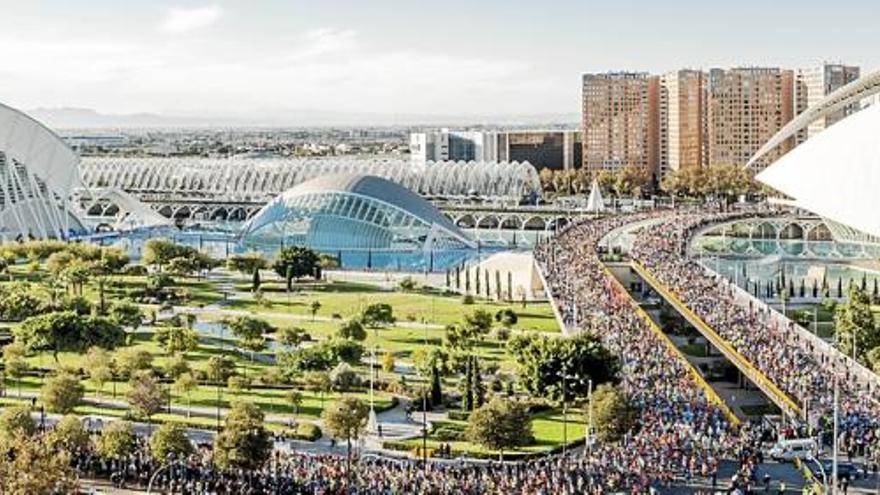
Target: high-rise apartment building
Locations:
point(620, 121)
point(813, 84)
point(747, 106)
point(684, 121)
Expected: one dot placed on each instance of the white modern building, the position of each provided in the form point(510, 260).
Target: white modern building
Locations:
point(38, 172)
point(835, 174)
point(556, 149)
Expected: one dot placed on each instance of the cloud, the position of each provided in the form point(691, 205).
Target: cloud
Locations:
point(181, 20)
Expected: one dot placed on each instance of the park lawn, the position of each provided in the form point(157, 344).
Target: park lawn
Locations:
point(269, 400)
point(349, 299)
point(548, 428)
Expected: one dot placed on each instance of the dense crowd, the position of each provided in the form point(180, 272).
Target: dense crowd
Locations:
point(778, 351)
point(679, 432)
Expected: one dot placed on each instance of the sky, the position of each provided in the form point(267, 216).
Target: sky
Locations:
point(480, 57)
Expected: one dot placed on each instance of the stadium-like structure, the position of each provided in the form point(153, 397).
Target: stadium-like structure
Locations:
point(350, 211)
point(244, 179)
point(38, 171)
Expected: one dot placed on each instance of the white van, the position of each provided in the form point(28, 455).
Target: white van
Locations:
point(787, 450)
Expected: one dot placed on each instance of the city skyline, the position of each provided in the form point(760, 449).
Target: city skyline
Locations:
point(265, 60)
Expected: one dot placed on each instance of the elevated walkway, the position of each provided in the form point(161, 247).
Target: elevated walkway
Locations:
point(774, 393)
point(698, 377)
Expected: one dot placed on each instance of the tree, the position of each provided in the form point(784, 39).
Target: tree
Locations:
point(15, 363)
point(244, 442)
point(146, 396)
point(352, 329)
point(388, 362)
point(873, 359)
point(378, 315)
point(219, 368)
point(436, 387)
point(160, 252)
point(541, 362)
point(184, 385)
point(117, 440)
point(506, 317)
point(248, 264)
point(314, 307)
point(295, 398)
point(319, 382)
point(855, 326)
point(31, 465)
point(292, 336)
point(501, 424)
point(129, 360)
point(176, 339)
point(176, 365)
point(296, 262)
point(346, 419)
point(55, 332)
point(238, 383)
point(69, 435)
point(478, 322)
point(344, 377)
point(126, 314)
point(16, 420)
point(248, 328)
point(612, 414)
point(168, 441)
point(62, 393)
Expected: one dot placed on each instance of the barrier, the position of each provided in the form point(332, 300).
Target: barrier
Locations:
point(710, 392)
point(779, 397)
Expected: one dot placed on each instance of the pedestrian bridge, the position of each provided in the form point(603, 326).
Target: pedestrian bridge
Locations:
point(774, 393)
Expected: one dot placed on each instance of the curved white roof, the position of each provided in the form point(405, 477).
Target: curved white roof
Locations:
point(835, 174)
point(405, 208)
point(38, 174)
point(376, 188)
point(45, 154)
point(853, 92)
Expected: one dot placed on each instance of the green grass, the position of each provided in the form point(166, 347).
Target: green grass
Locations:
point(696, 350)
point(349, 299)
point(548, 427)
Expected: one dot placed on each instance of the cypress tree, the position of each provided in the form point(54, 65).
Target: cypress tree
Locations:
point(436, 390)
point(815, 288)
point(467, 396)
point(839, 286)
point(255, 284)
point(486, 279)
point(477, 280)
point(510, 286)
point(498, 285)
point(803, 290)
point(478, 386)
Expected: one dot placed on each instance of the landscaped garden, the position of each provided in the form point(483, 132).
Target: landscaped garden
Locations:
point(181, 338)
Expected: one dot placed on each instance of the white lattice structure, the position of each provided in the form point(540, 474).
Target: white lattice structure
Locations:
point(38, 171)
point(238, 179)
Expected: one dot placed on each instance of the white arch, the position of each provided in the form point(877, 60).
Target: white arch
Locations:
point(840, 98)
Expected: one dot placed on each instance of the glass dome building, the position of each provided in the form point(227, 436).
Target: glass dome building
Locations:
point(353, 213)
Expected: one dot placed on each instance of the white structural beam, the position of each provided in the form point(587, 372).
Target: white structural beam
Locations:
point(853, 92)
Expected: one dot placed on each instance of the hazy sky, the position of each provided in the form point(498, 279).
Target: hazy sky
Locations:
point(241, 58)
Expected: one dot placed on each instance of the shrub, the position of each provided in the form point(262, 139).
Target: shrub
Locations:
point(308, 432)
point(447, 434)
point(457, 415)
point(467, 299)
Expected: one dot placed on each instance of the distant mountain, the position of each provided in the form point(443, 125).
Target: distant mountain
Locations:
point(79, 118)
